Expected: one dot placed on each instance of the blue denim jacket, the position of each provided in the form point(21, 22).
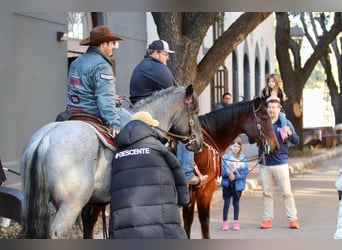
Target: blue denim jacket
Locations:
point(240, 168)
point(91, 87)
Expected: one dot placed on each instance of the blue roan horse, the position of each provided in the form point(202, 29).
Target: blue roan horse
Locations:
point(66, 163)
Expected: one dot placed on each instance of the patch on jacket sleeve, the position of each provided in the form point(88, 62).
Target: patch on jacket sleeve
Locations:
point(75, 80)
point(106, 76)
point(75, 99)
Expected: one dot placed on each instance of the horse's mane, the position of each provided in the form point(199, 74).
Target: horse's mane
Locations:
point(217, 119)
point(163, 92)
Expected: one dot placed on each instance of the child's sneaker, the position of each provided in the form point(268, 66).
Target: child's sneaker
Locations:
point(236, 225)
point(224, 226)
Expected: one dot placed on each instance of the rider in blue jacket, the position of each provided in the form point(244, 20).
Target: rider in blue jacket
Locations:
point(91, 81)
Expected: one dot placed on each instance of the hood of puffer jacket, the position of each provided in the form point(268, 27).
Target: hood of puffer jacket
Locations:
point(135, 131)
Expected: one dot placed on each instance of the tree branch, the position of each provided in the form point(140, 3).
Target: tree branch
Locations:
point(226, 43)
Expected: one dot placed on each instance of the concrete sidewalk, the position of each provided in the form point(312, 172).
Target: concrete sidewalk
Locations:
point(296, 164)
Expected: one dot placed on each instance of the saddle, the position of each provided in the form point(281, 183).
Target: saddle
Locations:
point(104, 133)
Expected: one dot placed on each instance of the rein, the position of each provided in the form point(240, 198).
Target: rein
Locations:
point(262, 135)
point(216, 150)
point(215, 153)
point(262, 157)
point(11, 171)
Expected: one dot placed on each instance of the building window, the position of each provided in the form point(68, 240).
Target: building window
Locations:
point(218, 26)
point(219, 84)
point(246, 79)
point(78, 25)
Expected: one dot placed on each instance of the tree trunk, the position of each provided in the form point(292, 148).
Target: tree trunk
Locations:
point(333, 85)
point(294, 78)
point(185, 32)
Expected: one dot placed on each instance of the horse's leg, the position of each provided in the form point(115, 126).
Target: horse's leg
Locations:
point(204, 197)
point(90, 214)
point(64, 220)
point(69, 204)
point(188, 212)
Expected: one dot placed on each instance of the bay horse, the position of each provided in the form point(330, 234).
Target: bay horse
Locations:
point(219, 129)
point(66, 163)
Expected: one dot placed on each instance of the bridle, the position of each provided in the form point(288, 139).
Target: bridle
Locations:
point(265, 146)
point(186, 139)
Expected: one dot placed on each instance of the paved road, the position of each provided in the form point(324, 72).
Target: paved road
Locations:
point(315, 195)
point(317, 203)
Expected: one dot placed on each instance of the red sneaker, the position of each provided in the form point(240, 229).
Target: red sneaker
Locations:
point(294, 224)
point(266, 224)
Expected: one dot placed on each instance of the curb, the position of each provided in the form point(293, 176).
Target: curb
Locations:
point(297, 167)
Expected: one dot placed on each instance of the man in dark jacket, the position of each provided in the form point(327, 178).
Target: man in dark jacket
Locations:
point(151, 75)
point(147, 185)
point(227, 100)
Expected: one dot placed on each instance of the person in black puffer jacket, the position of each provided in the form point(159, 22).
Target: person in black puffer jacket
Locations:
point(147, 186)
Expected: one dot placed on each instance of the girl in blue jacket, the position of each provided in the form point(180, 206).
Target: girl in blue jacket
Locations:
point(234, 174)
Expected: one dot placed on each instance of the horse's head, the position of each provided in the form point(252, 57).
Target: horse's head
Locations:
point(261, 129)
point(176, 109)
point(188, 124)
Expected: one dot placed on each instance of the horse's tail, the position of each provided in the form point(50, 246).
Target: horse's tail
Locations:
point(36, 212)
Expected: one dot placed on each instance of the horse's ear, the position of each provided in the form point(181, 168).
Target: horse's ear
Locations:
point(257, 102)
point(189, 91)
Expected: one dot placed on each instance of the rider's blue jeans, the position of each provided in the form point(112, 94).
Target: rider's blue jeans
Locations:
point(186, 159)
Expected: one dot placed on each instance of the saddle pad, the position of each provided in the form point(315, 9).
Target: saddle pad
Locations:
point(104, 137)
